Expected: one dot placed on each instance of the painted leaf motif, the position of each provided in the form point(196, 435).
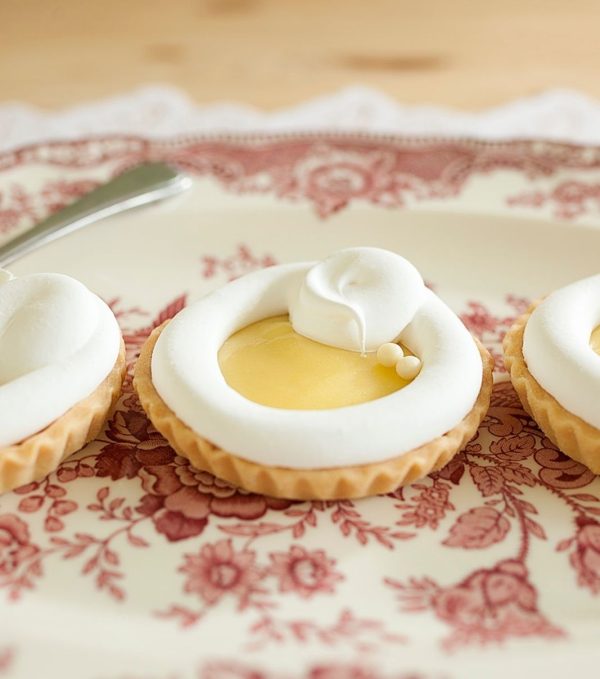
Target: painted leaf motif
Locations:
point(535, 528)
point(118, 461)
point(251, 530)
point(171, 310)
point(518, 473)
point(31, 504)
point(478, 528)
point(514, 448)
point(564, 544)
point(489, 480)
point(453, 471)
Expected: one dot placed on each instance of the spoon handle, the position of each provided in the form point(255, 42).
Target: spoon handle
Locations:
point(141, 185)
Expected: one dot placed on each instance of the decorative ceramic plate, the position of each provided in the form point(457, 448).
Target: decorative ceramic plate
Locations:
point(129, 563)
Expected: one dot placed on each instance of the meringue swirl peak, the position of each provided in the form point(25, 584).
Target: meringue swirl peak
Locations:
point(357, 299)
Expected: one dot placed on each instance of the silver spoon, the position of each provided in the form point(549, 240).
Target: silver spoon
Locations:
point(143, 184)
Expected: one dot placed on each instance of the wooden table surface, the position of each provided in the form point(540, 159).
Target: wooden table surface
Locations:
point(463, 53)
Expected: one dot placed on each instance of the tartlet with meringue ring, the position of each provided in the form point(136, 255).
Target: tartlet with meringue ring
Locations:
point(62, 364)
point(322, 380)
point(552, 353)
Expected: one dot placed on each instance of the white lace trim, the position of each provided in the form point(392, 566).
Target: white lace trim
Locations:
point(165, 111)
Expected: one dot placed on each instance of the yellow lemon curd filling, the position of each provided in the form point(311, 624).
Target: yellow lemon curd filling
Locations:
point(595, 340)
point(271, 364)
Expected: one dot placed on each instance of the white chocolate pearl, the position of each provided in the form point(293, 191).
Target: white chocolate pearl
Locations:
point(389, 354)
point(408, 367)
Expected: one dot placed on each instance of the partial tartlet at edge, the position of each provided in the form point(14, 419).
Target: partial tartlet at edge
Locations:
point(567, 431)
point(38, 455)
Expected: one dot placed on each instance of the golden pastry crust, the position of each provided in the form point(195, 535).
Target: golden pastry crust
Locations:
point(307, 484)
point(40, 454)
point(575, 437)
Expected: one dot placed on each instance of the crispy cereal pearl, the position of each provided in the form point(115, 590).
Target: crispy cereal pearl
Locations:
point(389, 354)
point(408, 367)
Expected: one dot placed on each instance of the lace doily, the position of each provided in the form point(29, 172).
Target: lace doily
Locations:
point(165, 111)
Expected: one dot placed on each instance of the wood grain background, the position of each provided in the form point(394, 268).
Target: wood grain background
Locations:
point(464, 53)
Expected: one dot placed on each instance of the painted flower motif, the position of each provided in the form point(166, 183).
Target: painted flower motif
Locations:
point(135, 338)
point(573, 192)
point(181, 498)
point(218, 570)
point(335, 671)
point(569, 199)
point(229, 669)
point(330, 670)
point(490, 605)
point(7, 656)
point(15, 206)
point(519, 304)
point(15, 546)
point(344, 179)
point(305, 572)
point(427, 508)
point(493, 605)
point(586, 557)
point(242, 262)
point(59, 193)
point(574, 198)
point(332, 178)
point(134, 443)
point(479, 320)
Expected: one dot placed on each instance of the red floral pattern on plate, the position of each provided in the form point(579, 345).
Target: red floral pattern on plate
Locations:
point(218, 570)
point(508, 498)
point(305, 572)
point(7, 656)
point(489, 605)
point(181, 498)
point(240, 263)
point(181, 501)
point(329, 171)
point(568, 199)
point(585, 558)
point(331, 670)
point(15, 545)
point(20, 208)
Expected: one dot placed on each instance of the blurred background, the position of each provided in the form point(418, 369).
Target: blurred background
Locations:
point(467, 54)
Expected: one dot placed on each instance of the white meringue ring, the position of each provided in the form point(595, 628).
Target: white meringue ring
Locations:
point(187, 376)
point(557, 350)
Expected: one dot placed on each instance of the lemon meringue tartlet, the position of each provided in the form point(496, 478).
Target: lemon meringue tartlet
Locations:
point(552, 353)
point(62, 363)
point(336, 379)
